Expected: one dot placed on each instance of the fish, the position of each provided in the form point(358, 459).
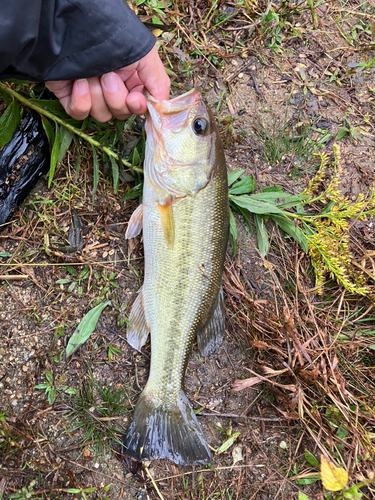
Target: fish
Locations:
point(184, 216)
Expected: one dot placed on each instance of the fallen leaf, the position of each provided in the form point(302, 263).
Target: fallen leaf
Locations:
point(333, 478)
point(85, 328)
point(237, 454)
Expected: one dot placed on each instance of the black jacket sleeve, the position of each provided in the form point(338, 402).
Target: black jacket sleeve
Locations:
point(44, 40)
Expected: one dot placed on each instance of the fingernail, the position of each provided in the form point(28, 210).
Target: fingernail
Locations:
point(110, 82)
point(82, 86)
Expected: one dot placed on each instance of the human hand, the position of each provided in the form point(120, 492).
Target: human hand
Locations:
point(118, 94)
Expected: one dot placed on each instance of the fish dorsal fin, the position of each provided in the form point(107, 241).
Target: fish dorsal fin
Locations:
point(167, 221)
point(138, 330)
point(212, 334)
point(135, 223)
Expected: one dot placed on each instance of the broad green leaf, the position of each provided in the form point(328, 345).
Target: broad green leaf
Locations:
point(65, 142)
point(262, 235)
point(115, 173)
point(228, 443)
point(277, 195)
point(232, 232)
point(85, 328)
point(54, 155)
point(255, 206)
point(233, 176)
point(243, 212)
point(5, 254)
point(8, 122)
point(5, 97)
point(95, 174)
point(309, 457)
point(244, 186)
point(333, 478)
point(294, 231)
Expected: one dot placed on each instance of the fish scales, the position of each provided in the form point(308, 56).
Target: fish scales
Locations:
point(185, 230)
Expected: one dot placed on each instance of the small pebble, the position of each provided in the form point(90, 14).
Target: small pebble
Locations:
point(24, 368)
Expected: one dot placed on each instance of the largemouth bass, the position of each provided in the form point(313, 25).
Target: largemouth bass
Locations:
point(184, 216)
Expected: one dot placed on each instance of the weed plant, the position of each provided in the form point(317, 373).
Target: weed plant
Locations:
point(94, 410)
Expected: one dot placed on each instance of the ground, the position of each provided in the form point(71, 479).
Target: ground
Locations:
point(287, 82)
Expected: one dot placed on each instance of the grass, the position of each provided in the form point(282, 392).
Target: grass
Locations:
point(304, 362)
point(94, 410)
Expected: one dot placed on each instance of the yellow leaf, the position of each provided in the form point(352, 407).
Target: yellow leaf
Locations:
point(157, 32)
point(333, 478)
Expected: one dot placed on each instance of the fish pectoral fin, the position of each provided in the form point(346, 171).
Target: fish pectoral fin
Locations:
point(135, 223)
point(169, 430)
point(212, 334)
point(138, 330)
point(167, 221)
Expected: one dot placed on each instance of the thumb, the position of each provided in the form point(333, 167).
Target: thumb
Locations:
point(152, 74)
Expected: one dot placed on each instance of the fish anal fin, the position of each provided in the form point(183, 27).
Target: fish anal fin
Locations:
point(138, 330)
point(135, 223)
point(172, 432)
point(167, 221)
point(212, 334)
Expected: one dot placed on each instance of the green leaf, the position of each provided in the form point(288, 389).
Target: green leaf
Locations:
point(7, 98)
point(302, 496)
point(85, 328)
point(115, 173)
point(262, 235)
point(65, 142)
point(54, 155)
point(134, 192)
point(308, 480)
point(233, 176)
point(41, 386)
point(156, 20)
point(54, 106)
point(48, 130)
point(294, 231)
point(95, 174)
point(228, 443)
point(5, 254)
point(8, 122)
point(341, 134)
point(309, 457)
point(232, 232)
point(255, 206)
point(244, 186)
point(273, 189)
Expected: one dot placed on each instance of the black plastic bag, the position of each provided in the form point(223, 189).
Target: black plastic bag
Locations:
point(22, 162)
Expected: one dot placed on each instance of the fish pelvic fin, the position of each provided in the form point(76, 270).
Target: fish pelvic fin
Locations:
point(138, 330)
point(167, 221)
point(159, 431)
point(135, 223)
point(212, 334)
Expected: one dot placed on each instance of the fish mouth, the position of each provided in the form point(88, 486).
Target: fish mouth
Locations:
point(177, 104)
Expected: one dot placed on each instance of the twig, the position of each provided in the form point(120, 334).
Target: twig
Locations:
point(13, 277)
point(153, 482)
point(60, 121)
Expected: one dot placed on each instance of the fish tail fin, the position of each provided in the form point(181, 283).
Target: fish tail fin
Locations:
point(160, 431)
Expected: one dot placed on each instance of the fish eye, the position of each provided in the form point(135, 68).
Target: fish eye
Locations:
point(200, 126)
